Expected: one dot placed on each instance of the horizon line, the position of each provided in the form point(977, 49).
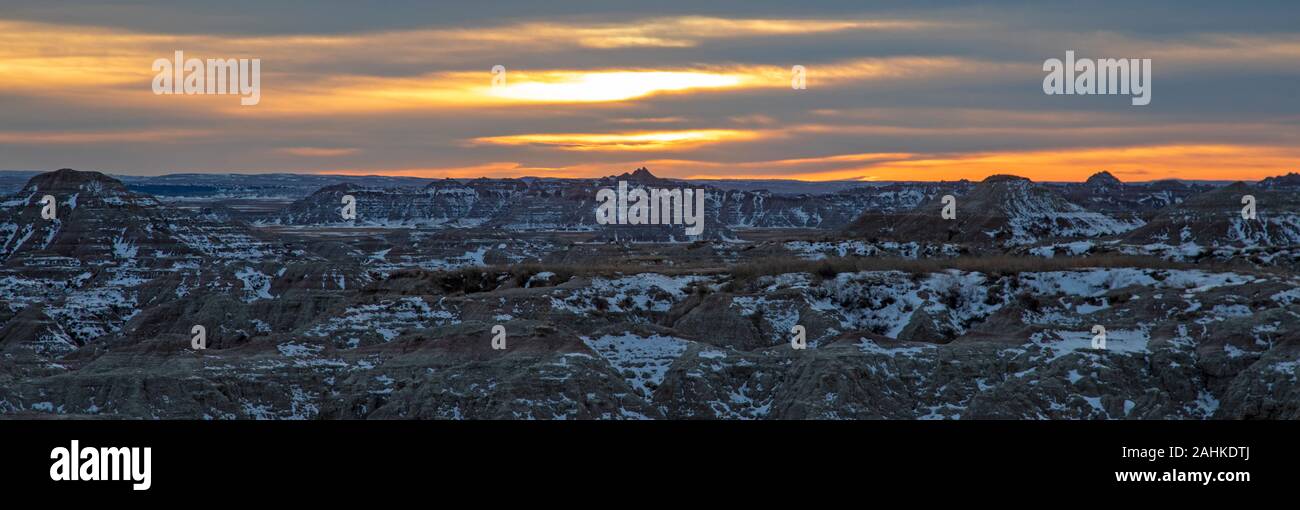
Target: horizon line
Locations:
point(704, 179)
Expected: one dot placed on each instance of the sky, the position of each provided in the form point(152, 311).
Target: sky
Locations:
point(918, 90)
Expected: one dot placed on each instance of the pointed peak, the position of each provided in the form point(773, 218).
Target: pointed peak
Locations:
point(641, 175)
point(1104, 179)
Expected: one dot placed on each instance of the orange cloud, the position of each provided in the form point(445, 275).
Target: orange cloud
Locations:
point(637, 141)
point(111, 67)
point(1209, 51)
point(458, 90)
point(493, 169)
point(581, 87)
point(1133, 163)
point(319, 151)
point(683, 32)
point(93, 137)
point(1145, 163)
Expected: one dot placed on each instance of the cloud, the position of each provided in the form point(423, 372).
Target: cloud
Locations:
point(1149, 162)
point(320, 152)
point(492, 169)
point(901, 93)
point(636, 141)
point(386, 71)
point(1209, 161)
point(677, 32)
point(97, 137)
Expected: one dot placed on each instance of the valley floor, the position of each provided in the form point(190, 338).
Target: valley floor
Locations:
point(633, 331)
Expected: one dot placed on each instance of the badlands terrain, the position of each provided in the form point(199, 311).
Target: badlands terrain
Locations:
point(393, 314)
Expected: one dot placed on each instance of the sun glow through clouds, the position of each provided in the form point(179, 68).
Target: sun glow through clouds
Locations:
point(572, 87)
point(654, 140)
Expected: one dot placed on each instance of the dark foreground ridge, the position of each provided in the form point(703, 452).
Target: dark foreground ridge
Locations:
point(401, 311)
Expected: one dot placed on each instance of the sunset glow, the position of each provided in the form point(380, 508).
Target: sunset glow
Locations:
point(689, 96)
point(624, 141)
point(575, 87)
